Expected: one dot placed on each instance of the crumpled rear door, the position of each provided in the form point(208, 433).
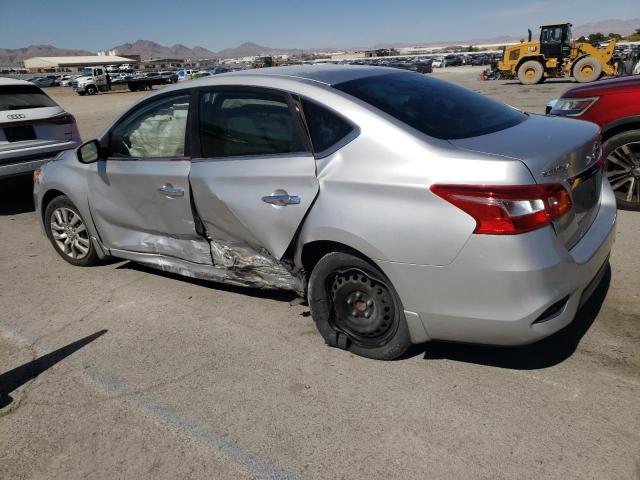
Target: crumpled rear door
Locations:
point(232, 198)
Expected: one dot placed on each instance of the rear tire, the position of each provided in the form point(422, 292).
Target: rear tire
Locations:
point(355, 307)
point(622, 153)
point(67, 231)
point(587, 69)
point(530, 72)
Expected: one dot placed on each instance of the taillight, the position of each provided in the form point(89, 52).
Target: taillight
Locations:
point(508, 210)
point(64, 119)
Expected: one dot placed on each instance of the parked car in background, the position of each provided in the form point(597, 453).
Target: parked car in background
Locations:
point(420, 67)
point(508, 236)
point(219, 70)
point(168, 76)
point(615, 106)
point(33, 128)
point(480, 60)
point(452, 61)
point(44, 82)
point(437, 62)
point(67, 79)
point(184, 74)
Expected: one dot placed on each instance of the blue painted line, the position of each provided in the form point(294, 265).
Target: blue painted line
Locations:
point(115, 387)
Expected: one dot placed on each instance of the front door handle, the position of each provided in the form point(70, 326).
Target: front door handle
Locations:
point(281, 199)
point(171, 191)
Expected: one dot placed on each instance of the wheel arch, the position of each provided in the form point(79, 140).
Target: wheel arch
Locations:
point(47, 198)
point(619, 126)
point(313, 251)
point(53, 193)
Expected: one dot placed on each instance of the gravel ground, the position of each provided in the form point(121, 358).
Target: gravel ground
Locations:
point(118, 371)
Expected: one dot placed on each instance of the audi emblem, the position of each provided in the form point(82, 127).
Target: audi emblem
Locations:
point(16, 116)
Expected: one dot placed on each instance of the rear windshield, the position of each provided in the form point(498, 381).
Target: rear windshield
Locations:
point(19, 97)
point(434, 107)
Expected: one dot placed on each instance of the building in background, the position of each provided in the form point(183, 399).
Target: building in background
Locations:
point(74, 64)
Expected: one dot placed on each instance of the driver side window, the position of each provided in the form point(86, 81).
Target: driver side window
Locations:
point(156, 130)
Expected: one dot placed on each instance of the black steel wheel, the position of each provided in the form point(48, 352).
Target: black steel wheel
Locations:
point(355, 307)
point(363, 307)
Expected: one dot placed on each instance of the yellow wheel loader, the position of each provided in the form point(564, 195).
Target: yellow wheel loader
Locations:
point(556, 55)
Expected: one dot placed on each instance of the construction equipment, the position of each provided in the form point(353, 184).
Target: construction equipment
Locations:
point(557, 55)
point(263, 62)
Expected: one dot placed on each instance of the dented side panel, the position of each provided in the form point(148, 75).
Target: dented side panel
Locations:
point(243, 268)
point(131, 214)
point(228, 195)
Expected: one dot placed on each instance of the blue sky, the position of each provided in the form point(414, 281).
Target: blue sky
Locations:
point(218, 24)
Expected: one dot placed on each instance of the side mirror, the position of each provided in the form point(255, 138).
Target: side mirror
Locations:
point(89, 152)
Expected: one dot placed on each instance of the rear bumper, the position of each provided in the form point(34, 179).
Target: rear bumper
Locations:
point(498, 286)
point(26, 160)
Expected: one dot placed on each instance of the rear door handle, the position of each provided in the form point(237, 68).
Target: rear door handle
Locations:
point(281, 199)
point(171, 191)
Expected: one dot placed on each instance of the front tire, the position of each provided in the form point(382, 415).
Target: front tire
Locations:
point(68, 233)
point(530, 72)
point(91, 90)
point(587, 69)
point(355, 307)
point(622, 153)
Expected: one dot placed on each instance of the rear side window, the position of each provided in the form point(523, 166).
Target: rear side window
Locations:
point(434, 107)
point(239, 123)
point(325, 127)
point(20, 97)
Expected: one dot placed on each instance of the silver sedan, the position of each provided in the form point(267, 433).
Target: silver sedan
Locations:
point(402, 207)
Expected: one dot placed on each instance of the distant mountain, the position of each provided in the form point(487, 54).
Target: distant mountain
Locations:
point(148, 49)
point(623, 27)
point(250, 49)
point(12, 57)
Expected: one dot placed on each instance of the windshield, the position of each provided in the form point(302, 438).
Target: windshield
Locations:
point(20, 97)
point(437, 108)
point(86, 72)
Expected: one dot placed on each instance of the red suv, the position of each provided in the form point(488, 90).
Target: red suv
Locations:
point(615, 106)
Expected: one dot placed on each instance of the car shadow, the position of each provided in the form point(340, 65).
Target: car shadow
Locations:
point(543, 354)
point(280, 295)
point(13, 379)
point(16, 195)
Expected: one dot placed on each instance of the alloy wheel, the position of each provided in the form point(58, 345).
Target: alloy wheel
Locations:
point(69, 233)
point(623, 172)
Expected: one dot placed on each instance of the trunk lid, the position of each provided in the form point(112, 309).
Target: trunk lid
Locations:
point(23, 129)
point(555, 150)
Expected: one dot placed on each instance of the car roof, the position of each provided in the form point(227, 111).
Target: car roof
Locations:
point(328, 74)
point(13, 81)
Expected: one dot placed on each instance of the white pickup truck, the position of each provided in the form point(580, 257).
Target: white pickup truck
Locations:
point(94, 79)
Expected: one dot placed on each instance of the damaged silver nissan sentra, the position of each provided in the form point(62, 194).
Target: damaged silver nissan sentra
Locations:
point(403, 207)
